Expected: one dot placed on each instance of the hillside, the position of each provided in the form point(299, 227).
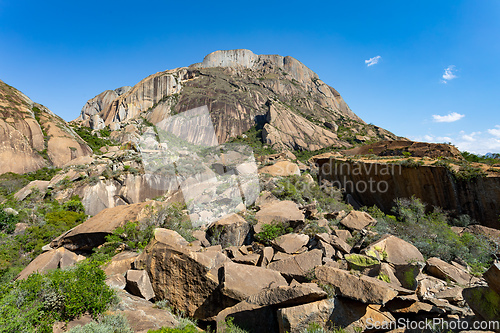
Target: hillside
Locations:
point(280, 95)
point(32, 137)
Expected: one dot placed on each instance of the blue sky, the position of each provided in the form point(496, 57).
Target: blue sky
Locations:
point(436, 79)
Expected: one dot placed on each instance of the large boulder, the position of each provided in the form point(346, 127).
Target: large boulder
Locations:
point(282, 211)
point(187, 280)
point(93, 232)
point(394, 250)
point(442, 270)
point(120, 263)
point(484, 301)
point(59, 258)
point(360, 288)
point(332, 313)
point(241, 281)
point(492, 276)
point(35, 185)
point(231, 230)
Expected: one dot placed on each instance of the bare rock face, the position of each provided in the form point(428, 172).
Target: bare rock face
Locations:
point(291, 243)
point(32, 137)
point(298, 267)
point(281, 211)
point(188, 280)
point(287, 130)
point(230, 230)
point(492, 276)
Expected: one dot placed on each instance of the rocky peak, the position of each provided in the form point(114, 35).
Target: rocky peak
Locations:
point(32, 136)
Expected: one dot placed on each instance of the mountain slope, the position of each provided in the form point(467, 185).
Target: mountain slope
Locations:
point(241, 90)
point(32, 137)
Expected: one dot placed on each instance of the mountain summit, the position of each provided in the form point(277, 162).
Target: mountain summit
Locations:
point(280, 95)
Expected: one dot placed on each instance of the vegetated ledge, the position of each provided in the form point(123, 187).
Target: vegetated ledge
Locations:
point(378, 181)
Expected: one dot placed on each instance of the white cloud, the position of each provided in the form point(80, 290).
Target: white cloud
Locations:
point(373, 61)
point(428, 138)
point(495, 131)
point(449, 74)
point(449, 118)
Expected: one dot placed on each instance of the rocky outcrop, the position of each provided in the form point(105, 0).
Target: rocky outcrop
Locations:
point(60, 258)
point(32, 137)
point(398, 147)
point(238, 86)
point(377, 183)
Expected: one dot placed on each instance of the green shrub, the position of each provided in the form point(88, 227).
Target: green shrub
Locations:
point(431, 233)
point(74, 204)
point(186, 329)
point(468, 172)
point(45, 173)
point(272, 231)
point(94, 142)
point(116, 323)
point(56, 223)
point(7, 221)
point(34, 304)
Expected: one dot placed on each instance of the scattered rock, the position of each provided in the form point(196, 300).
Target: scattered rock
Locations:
point(281, 168)
point(240, 281)
point(120, 263)
point(492, 276)
point(299, 266)
point(282, 211)
point(483, 301)
point(361, 288)
point(50, 260)
point(138, 284)
point(116, 281)
point(357, 220)
point(290, 243)
point(230, 230)
point(442, 270)
point(394, 250)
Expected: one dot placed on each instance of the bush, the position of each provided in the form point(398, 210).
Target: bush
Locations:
point(7, 221)
point(432, 235)
point(107, 324)
point(74, 204)
point(272, 231)
point(34, 304)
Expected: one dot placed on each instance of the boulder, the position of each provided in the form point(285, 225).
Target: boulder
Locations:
point(282, 211)
point(364, 264)
point(290, 243)
point(230, 230)
point(394, 250)
point(484, 301)
point(357, 220)
point(138, 284)
point(60, 258)
point(266, 256)
point(331, 314)
point(284, 296)
point(339, 244)
point(265, 198)
point(492, 276)
point(37, 185)
point(188, 280)
point(249, 259)
point(342, 234)
point(453, 295)
point(281, 168)
point(412, 307)
point(360, 288)
point(93, 232)
point(442, 270)
point(240, 281)
point(120, 263)
point(299, 266)
point(116, 281)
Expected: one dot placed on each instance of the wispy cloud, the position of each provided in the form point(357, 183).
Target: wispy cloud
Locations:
point(373, 61)
point(449, 118)
point(449, 74)
point(495, 131)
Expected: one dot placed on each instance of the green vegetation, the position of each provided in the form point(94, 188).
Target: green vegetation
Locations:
point(490, 160)
point(34, 304)
point(272, 231)
point(431, 233)
point(468, 172)
point(93, 140)
point(7, 221)
point(253, 138)
point(106, 324)
point(317, 328)
point(302, 190)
